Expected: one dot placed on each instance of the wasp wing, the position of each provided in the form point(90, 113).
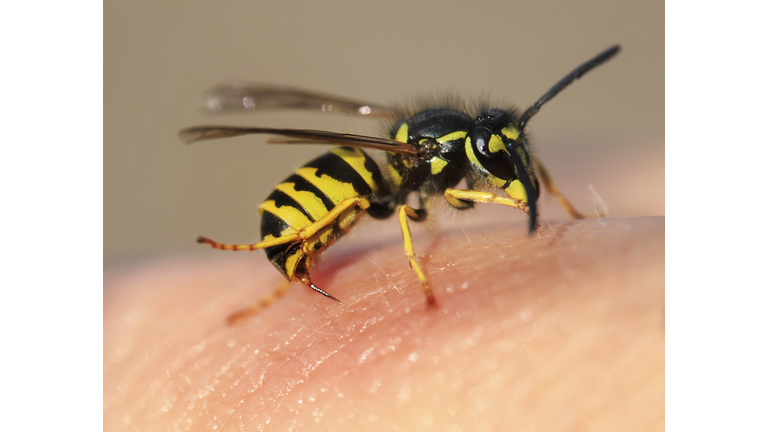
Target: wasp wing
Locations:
point(300, 136)
point(240, 96)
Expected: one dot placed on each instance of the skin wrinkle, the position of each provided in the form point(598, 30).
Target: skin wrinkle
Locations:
point(488, 337)
point(304, 372)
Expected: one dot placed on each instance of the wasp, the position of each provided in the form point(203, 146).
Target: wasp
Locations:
point(428, 152)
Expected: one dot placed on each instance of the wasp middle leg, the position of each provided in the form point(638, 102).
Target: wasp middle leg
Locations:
point(404, 213)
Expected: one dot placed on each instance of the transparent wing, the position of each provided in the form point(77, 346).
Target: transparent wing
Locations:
point(300, 136)
point(241, 96)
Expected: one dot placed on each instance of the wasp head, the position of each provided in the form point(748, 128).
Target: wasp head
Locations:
point(501, 150)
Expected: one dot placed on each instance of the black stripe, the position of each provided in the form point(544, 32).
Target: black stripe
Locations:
point(337, 168)
point(378, 179)
point(301, 184)
point(282, 199)
point(271, 224)
point(279, 259)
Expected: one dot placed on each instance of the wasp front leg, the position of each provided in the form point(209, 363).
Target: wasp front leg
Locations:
point(462, 198)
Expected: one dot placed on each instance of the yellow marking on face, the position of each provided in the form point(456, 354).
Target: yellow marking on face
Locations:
point(492, 179)
point(471, 152)
point(291, 262)
point(495, 181)
point(402, 133)
point(336, 190)
point(496, 145)
point(309, 201)
point(397, 179)
point(452, 137)
point(510, 132)
point(437, 164)
point(516, 190)
point(290, 215)
point(356, 159)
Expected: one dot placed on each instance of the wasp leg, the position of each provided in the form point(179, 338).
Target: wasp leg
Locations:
point(417, 216)
point(261, 304)
point(244, 247)
point(552, 188)
point(458, 198)
point(301, 236)
point(298, 236)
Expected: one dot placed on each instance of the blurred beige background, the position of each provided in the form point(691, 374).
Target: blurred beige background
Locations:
point(159, 194)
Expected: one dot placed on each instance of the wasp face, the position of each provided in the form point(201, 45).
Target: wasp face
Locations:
point(498, 145)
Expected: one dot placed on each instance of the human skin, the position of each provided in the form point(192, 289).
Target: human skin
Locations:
point(562, 330)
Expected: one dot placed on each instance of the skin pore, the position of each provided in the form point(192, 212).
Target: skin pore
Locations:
point(562, 330)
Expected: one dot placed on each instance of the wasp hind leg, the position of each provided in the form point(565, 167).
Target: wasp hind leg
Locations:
point(261, 304)
point(304, 237)
point(297, 237)
point(250, 247)
point(407, 212)
point(302, 276)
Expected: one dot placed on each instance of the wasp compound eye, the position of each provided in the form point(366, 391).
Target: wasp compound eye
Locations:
point(480, 139)
point(492, 154)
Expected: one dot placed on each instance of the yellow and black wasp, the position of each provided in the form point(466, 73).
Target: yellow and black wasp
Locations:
point(428, 152)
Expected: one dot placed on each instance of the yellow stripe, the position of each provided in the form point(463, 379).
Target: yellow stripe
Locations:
point(397, 179)
point(356, 159)
point(336, 190)
point(510, 132)
point(516, 190)
point(495, 181)
point(402, 133)
point(290, 215)
point(291, 262)
point(470, 152)
point(451, 137)
point(309, 201)
point(437, 164)
point(497, 145)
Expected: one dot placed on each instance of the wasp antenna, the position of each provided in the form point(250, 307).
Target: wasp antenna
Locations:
point(566, 81)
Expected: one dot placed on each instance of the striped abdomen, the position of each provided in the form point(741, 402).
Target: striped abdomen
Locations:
point(308, 195)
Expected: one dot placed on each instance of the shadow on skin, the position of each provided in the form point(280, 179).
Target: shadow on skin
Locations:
point(560, 331)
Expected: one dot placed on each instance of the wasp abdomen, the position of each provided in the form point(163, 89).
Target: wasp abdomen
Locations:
point(311, 193)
